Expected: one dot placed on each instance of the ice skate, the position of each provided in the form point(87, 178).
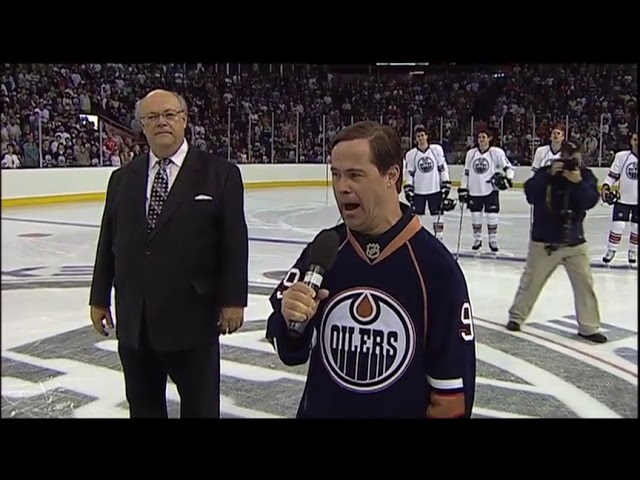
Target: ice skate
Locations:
point(609, 256)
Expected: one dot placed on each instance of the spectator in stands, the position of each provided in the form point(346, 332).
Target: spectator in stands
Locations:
point(11, 159)
point(82, 152)
point(286, 114)
point(31, 153)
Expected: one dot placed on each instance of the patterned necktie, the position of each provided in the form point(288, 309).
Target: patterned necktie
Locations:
point(159, 192)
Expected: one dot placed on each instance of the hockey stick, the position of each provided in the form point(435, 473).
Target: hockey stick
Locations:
point(444, 197)
point(460, 230)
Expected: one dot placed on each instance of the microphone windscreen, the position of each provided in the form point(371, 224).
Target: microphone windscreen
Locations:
point(324, 249)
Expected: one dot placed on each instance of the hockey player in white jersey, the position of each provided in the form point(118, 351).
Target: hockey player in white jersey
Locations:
point(427, 181)
point(624, 172)
point(546, 154)
point(486, 171)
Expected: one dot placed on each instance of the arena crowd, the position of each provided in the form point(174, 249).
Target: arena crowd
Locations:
point(274, 113)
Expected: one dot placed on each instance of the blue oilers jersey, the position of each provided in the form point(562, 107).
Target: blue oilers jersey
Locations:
point(395, 337)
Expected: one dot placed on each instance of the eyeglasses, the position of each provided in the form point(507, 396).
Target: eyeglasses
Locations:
point(169, 116)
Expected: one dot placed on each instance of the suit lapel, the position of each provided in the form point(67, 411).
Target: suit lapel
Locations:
point(181, 189)
point(137, 186)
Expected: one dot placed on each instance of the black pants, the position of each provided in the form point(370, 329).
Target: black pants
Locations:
point(196, 374)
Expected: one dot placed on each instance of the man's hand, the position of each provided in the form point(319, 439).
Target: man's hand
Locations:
point(101, 319)
point(231, 319)
point(574, 176)
point(556, 167)
point(300, 302)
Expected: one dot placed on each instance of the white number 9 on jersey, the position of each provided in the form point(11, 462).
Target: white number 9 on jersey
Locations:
point(289, 279)
point(467, 331)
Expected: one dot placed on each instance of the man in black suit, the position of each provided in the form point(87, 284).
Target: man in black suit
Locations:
point(173, 244)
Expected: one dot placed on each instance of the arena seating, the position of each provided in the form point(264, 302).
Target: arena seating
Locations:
point(263, 113)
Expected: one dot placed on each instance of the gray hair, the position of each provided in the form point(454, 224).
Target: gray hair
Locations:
point(183, 103)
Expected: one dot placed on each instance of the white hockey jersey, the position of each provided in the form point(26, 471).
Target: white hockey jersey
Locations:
point(479, 168)
point(624, 170)
point(426, 170)
point(544, 156)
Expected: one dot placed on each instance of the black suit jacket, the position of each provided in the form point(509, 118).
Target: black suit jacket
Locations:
point(194, 262)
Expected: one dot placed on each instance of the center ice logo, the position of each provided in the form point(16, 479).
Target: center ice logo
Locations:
point(367, 340)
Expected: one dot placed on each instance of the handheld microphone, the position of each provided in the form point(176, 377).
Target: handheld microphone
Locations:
point(322, 254)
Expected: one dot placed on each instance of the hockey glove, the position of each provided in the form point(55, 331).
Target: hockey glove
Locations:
point(409, 193)
point(448, 204)
point(463, 195)
point(500, 181)
point(609, 196)
point(445, 188)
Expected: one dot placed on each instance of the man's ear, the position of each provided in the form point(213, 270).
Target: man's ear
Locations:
point(393, 174)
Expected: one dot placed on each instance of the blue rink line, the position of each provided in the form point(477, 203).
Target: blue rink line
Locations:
point(282, 241)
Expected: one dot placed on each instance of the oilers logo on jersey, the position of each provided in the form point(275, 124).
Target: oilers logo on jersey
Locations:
point(425, 165)
point(632, 171)
point(480, 165)
point(367, 340)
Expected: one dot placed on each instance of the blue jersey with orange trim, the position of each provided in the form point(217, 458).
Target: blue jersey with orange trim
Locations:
point(395, 337)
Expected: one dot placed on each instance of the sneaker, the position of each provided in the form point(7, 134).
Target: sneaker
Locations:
point(513, 326)
point(595, 338)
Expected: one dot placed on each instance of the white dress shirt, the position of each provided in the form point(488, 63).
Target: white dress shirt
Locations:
point(177, 159)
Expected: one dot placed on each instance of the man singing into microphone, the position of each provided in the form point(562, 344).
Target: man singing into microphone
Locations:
point(390, 332)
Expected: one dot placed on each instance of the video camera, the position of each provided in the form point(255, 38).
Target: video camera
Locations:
point(570, 155)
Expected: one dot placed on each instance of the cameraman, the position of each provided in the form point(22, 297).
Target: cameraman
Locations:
point(560, 194)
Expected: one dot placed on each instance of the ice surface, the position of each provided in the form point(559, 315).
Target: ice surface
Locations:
point(54, 365)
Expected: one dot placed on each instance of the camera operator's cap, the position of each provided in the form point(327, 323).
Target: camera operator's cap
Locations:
point(569, 149)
